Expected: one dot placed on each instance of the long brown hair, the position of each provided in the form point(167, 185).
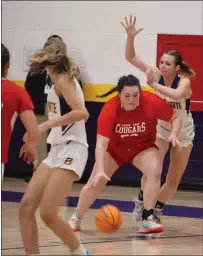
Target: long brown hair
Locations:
point(129, 80)
point(53, 55)
point(5, 58)
point(185, 68)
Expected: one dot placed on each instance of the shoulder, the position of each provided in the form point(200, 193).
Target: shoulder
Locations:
point(147, 96)
point(64, 84)
point(184, 81)
point(151, 100)
point(184, 85)
point(110, 107)
point(113, 102)
point(13, 87)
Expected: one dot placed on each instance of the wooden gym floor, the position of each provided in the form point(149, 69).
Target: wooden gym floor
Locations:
point(182, 218)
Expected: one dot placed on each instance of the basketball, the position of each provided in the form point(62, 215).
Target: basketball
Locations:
point(108, 219)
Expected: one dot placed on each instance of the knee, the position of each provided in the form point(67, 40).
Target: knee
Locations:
point(154, 176)
point(154, 173)
point(26, 208)
point(173, 183)
point(47, 214)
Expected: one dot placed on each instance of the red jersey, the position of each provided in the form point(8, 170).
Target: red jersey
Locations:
point(15, 100)
point(133, 127)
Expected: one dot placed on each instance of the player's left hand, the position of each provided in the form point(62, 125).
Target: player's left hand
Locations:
point(174, 141)
point(99, 176)
point(28, 153)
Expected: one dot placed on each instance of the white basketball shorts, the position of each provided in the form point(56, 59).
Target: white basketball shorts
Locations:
point(69, 155)
point(186, 135)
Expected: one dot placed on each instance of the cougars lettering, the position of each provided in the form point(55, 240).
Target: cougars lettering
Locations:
point(130, 129)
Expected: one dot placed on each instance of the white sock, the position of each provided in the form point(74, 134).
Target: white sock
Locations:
point(80, 251)
point(76, 216)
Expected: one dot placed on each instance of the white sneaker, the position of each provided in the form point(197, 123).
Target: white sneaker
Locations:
point(158, 212)
point(138, 210)
point(75, 224)
point(151, 225)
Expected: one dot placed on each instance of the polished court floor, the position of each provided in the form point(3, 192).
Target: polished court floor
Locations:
point(182, 218)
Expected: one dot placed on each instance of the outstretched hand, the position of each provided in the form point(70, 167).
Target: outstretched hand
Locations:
point(95, 180)
point(129, 26)
point(175, 142)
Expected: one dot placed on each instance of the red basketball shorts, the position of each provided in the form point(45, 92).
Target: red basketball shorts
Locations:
point(125, 153)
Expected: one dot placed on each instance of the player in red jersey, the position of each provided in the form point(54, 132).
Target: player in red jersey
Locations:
point(126, 132)
point(15, 100)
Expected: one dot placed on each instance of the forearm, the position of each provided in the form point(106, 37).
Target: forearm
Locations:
point(130, 51)
point(72, 117)
point(100, 153)
point(167, 91)
point(29, 121)
point(176, 126)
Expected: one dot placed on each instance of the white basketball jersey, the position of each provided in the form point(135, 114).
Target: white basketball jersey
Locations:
point(57, 107)
point(182, 106)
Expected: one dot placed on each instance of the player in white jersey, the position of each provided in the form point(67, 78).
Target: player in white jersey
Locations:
point(53, 179)
point(172, 82)
point(181, 105)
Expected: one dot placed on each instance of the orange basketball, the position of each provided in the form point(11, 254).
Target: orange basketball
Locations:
point(108, 219)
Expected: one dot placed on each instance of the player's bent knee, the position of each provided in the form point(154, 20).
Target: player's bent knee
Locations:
point(154, 174)
point(26, 208)
point(47, 214)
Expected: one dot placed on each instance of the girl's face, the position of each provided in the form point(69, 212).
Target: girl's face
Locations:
point(130, 97)
point(167, 66)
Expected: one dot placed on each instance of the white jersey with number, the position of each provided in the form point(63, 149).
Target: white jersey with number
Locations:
point(186, 134)
point(57, 107)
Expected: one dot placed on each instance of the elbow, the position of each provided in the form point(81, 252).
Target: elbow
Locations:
point(85, 115)
point(177, 96)
point(129, 58)
point(102, 145)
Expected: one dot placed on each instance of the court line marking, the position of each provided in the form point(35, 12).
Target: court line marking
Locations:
point(109, 241)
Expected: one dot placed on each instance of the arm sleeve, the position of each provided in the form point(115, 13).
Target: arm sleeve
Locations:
point(24, 101)
point(106, 120)
point(162, 109)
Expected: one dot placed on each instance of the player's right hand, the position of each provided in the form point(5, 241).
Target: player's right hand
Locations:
point(100, 175)
point(129, 27)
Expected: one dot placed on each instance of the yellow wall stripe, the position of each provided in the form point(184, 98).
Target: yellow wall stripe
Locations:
point(91, 91)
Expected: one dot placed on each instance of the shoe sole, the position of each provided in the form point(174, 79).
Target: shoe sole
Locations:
point(76, 229)
point(151, 231)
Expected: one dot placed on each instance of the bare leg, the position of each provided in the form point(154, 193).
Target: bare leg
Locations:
point(163, 148)
point(2, 171)
point(89, 195)
point(28, 206)
point(59, 186)
point(178, 164)
point(149, 162)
